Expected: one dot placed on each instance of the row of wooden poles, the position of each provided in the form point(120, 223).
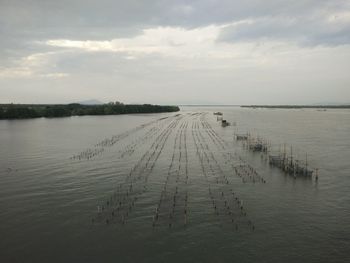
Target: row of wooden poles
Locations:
point(177, 177)
point(100, 147)
point(216, 178)
point(118, 207)
point(243, 170)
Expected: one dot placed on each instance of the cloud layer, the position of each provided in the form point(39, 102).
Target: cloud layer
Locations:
point(175, 51)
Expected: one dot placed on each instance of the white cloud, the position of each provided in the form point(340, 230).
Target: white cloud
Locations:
point(39, 65)
point(199, 47)
point(168, 41)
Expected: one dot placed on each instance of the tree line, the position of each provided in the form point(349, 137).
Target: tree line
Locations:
point(23, 111)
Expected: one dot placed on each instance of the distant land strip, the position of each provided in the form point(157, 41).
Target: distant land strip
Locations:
point(25, 111)
point(298, 106)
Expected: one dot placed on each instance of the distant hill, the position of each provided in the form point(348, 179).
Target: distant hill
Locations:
point(90, 102)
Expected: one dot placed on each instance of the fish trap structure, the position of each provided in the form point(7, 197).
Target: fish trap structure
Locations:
point(290, 165)
point(241, 137)
point(224, 123)
point(257, 144)
point(287, 163)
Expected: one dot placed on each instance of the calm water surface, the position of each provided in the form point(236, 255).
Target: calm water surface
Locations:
point(160, 189)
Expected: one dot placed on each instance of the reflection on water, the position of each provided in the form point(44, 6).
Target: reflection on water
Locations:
point(168, 187)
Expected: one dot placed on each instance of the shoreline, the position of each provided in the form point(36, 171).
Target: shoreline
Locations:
point(297, 106)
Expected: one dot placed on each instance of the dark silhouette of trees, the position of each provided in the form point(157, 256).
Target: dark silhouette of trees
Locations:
point(23, 111)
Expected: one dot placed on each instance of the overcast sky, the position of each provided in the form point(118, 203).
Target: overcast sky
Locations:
point(175, 52)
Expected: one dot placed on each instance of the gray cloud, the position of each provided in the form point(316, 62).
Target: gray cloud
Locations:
point(95, 18)
point(326, 29)
point(239, 47)
point(24, 21)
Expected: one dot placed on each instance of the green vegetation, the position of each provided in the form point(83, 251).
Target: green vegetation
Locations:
point(24, 111)
point(298, 106)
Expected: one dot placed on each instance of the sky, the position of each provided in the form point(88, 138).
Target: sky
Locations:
point(175, 52)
